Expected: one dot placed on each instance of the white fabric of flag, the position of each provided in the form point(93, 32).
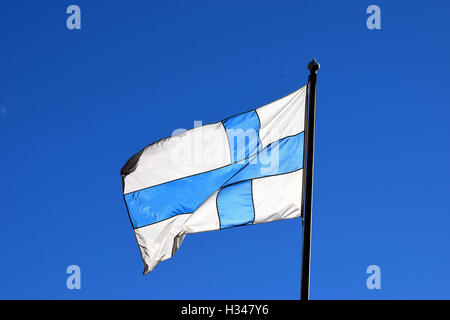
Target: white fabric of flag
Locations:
point(246, 169)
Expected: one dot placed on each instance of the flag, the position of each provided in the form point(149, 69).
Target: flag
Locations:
point(246, 169)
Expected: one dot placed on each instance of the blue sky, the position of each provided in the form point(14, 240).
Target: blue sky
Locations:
point(76, 104)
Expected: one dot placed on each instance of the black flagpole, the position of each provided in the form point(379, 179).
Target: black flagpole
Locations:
point(313, 67)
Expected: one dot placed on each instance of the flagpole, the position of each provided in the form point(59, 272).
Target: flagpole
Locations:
point(313, 67)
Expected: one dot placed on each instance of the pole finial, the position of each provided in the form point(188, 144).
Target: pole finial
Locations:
point(313, 66)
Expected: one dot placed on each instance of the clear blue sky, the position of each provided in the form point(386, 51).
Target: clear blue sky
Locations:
point(75, 105)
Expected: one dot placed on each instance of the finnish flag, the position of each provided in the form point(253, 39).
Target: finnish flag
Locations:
point(246, 169)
